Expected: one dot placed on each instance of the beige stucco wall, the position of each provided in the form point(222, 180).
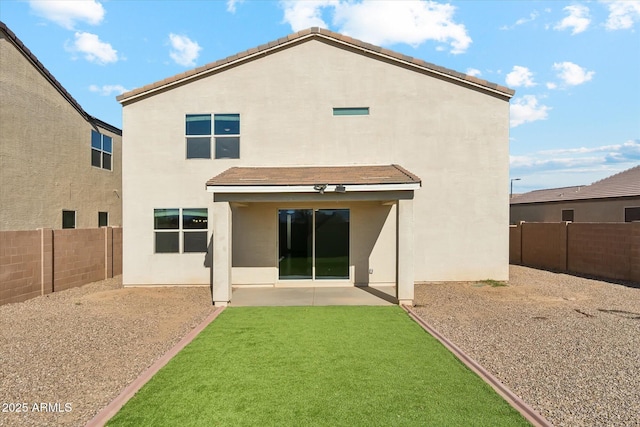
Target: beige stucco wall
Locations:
point(453, 137)
point(45, 154)
point(606, 210)
point(255, 245)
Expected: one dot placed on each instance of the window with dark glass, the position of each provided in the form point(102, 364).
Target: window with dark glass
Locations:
point(198, 131)
point(632, 214)
point(103, 219)
point(351, 111)
point(567, 214)
point(171, 224)
point(101, 150)
point(166, 223)
point(227, 136)
point(68, 219)
point(194, 220)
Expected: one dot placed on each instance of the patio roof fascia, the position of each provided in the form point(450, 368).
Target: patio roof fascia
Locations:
point(235, 189)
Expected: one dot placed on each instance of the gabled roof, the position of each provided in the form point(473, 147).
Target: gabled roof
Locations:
point(324, 35)
point(306, 178)
point(623, 184)
point(54, 82)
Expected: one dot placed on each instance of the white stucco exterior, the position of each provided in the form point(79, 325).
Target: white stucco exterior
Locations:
point(451, 135)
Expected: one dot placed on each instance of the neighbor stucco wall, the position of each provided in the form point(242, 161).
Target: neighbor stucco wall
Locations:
point(604, 210)
point(45, 154)
point(453, 137)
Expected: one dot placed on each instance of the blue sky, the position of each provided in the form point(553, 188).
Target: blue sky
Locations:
point(575, 65)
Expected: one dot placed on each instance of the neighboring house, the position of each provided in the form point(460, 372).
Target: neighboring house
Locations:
point(59, 166)
point(613, 199)
point(315, 160)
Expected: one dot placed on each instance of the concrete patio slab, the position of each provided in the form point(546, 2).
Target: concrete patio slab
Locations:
point(304, 296)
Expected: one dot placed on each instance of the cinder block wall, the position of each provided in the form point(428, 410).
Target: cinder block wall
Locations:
point(79, 257)
point(38, 262)
point(544, 245)
point(20, 265)
point(608, 250)
point(515, 244)
point(602, 249)
point(117, 251)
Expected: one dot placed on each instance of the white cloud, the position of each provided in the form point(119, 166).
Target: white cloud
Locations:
point(532, 17)
point(473, 72)
point(67, 12)
point(520, 76)
point(572, 74)
point(304, 14)
point(551, 85)
point(93, 48)
point(622, 14)
point(231, 5)
point(384, 22)
point(526, 110)
point(184, 50)
point(108, 90)
point(554, 168)
point(578, 19)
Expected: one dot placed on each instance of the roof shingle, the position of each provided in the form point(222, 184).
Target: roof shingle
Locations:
point(623, 184)
point(311, 175)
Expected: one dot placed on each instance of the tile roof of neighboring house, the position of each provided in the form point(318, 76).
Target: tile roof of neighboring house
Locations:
point(311, 175)
point(320, 34)
point(623, 184)
point(54, 82)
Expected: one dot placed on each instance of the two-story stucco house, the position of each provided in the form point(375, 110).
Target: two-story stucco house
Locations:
point(318, 160)
point(59, 166)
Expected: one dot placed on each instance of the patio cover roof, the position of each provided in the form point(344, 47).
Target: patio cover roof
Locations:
point(313, 179)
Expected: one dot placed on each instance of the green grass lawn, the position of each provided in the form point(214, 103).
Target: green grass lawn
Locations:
point(351, 366)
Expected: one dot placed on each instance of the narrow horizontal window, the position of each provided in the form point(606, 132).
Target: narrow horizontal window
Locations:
point(351, 111)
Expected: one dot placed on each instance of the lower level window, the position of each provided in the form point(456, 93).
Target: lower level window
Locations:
point(103, 219)
point(632, 214)
point(567, 214)
point(180, 230)
point(68, 219)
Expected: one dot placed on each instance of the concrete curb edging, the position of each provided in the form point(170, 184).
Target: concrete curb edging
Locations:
point(112, 408)
point(516, 402)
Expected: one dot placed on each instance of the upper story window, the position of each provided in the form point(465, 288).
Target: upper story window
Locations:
point(567, 215)
point(101, 150)
point(225, 133)
point(351, 111)
point(68, 219)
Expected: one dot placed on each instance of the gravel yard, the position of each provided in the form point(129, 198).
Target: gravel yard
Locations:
point(76, 350)
point(568, 346)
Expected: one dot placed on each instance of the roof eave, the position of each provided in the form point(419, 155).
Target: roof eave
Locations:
point(243, 189)
point(297, 38)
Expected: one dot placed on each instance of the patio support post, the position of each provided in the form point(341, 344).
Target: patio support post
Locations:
point(221, 292)
point(405, 248)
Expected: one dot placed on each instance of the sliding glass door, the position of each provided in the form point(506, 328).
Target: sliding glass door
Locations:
point(313, 244)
